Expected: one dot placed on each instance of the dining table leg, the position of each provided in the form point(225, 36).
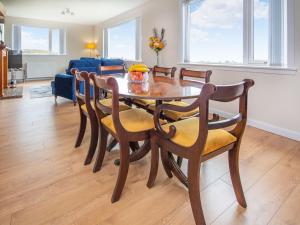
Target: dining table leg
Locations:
point(112, 143)
point(137, 154)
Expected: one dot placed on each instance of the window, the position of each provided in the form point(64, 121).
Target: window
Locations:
point(122, 41)
point(251, 32)
point(261, 31)
point(38, 41)
point(216, 31)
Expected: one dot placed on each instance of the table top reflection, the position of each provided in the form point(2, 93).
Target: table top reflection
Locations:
point(157, 88)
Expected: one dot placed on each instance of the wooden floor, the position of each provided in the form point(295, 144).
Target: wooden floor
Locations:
point(43, 180)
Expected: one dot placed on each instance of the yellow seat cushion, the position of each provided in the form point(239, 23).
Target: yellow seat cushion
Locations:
point(174, 115)
point(133, 120)
point(107, 102)
point(187, 134)
point(144, 102)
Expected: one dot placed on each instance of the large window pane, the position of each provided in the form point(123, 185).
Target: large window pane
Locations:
point(34, 40)
point(261, 30)
point(55, 41)
point(121, 41)
point(216, 31)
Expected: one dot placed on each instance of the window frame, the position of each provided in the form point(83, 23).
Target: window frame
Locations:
point(62, 40)
point(287, 38)
point(137, 38)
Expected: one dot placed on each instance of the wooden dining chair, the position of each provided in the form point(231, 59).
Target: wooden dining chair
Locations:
point(113, 70)
point(127, 126)
point(167, 71)
point(156, 71)
point(198, 140)
point(184, 73)
point(86, 111)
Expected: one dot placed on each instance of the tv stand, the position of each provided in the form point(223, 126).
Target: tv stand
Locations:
point(3, 69)
point(5, 91)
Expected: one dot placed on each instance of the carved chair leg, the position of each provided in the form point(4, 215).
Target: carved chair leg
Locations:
point(194, 191)
point(233, 158)
point(123, 171)
point(112, 143)
point(154, 162)
point(165, 162)
point(176, 171)
point(93, 141)
point(81, 132)
point(102, 149)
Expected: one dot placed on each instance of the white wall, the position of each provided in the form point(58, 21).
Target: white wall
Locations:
point(77, 36)
point(274, 102)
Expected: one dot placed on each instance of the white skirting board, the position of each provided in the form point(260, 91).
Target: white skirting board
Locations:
point(263, 126)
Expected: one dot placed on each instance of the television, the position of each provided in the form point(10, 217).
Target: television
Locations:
point(15, 59)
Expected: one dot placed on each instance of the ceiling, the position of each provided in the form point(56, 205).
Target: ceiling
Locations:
point(85, 11)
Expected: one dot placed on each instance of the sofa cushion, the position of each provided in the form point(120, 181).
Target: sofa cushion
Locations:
point(74, 64)
point(85, 64)
point(88, 58)
point(64, 76)
point(111, 62)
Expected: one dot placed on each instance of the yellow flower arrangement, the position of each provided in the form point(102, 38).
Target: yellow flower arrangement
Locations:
point(157, 42)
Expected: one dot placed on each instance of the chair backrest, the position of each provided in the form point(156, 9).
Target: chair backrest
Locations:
point(164, 70)
point(112, 69)
point(196, 74)
point(110, 84)
point(222, 93)
point(100, 89)
point(229, 93)
point(86, 97)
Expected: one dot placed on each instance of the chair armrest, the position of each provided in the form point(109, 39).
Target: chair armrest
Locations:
point(172, 128)
point(225, 123)
point(65, 86)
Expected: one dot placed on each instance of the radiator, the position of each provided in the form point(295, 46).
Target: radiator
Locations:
point(36, 70)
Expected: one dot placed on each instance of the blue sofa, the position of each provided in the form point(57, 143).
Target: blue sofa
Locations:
point(64, 83)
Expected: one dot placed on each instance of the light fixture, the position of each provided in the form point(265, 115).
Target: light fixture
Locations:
point(91, 46)
point(67, 11)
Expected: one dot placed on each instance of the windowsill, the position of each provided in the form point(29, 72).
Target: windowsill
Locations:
point(133, 60)
point(24, 54)
point(247, 68)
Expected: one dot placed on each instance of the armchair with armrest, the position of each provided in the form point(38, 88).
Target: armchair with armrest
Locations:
point(198, 140)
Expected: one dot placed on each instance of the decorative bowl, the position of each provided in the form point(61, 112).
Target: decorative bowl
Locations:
point(138, 77)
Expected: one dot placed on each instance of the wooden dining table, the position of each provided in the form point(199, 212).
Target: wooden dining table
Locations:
point(158, 88)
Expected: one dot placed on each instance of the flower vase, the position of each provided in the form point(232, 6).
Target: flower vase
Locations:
point(157, 58)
